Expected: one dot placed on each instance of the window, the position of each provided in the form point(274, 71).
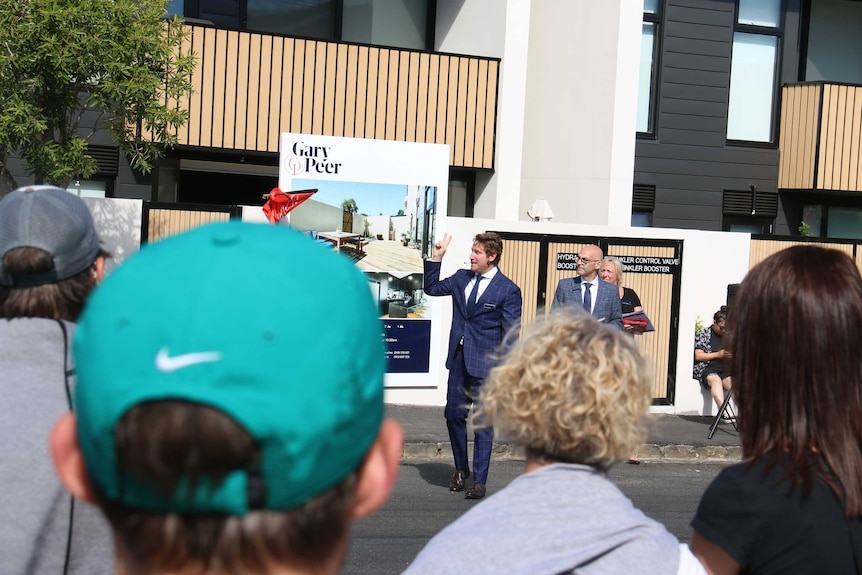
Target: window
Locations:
point(462, 193)
point(641, 219)
point(747, 225)
point(175, 8)
point(401, 23)
point(88, 188)
point(100, 184)
point(812, 220)
point(754, 70)
point(832, 221)
point(395, 23)
point(314, 18)
point(844, 222)
point(648, 67)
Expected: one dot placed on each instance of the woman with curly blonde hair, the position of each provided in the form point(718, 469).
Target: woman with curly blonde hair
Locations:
point(573, 392)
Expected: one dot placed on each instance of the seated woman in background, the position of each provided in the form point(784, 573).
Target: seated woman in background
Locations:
point(794, 504)
point(573, 392)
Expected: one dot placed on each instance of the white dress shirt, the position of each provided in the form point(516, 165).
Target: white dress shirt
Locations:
point(594, 292)
point(488, 275)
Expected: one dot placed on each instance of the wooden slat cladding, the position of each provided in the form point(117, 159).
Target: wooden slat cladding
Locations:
point(799, 112)
point(653, 289)
point(838, 158)
point(654, 292)
point(521, 265)
point(762, 249)
point(821, 137)
point(248, 88)
point(169, 222)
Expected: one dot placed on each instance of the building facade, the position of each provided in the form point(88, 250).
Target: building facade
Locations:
point(735, 115)
point(749, 117)
point(483, 76)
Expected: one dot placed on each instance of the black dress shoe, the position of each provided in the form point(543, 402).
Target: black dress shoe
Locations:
point(458, 479)
point(476, 491)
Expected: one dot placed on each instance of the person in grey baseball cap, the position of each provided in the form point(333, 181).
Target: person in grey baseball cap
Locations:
point(50, 261)
point(50, 257)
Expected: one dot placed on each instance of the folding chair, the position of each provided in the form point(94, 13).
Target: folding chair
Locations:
point(726, 408)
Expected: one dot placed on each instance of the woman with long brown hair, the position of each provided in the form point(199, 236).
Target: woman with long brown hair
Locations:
point(793, 505)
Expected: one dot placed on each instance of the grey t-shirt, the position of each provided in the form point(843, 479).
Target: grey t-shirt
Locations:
point(562, 518)
point(34, 508)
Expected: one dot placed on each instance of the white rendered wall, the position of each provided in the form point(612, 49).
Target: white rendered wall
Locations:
point(704, 289)
point(118, 225)
point(496, 29)
point(475, 27)
point(581, 109)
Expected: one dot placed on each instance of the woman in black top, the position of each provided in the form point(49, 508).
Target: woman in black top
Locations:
point(612, 272)
point(794, 504)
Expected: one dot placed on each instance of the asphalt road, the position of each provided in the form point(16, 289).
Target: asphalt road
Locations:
point(421, 505)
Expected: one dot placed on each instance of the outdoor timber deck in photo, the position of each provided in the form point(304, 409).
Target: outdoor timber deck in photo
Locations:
point(383, 256)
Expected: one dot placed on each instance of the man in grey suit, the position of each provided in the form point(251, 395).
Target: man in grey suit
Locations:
point(588, 292)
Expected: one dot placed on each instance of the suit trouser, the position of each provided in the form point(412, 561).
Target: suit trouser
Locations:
point(463, 389)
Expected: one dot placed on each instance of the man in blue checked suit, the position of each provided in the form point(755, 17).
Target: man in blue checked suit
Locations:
point(601, 299)
point(486, 305)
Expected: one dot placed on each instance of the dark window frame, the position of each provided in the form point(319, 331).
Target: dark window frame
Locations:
point(767, 225)
point(656, 20)
point(191, 10)
point(467, 176)
point(777, 32)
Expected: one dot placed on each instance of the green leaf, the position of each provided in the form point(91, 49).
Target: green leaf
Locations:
point(71, 68)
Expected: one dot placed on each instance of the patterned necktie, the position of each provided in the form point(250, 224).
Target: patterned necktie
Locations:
point(474, 295)
point(588, 298)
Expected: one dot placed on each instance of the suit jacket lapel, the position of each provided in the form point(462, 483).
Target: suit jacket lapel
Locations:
point(463, 288)
point(492, 285)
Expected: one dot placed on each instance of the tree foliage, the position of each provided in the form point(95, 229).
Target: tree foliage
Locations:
point(71, 67)
point(349, 205)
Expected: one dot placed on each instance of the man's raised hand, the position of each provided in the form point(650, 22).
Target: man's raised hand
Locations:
point(440, 248)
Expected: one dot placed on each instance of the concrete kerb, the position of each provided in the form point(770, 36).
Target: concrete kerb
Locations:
point(645, 452)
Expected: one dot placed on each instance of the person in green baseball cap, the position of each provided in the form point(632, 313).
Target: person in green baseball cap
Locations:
point(227, 418)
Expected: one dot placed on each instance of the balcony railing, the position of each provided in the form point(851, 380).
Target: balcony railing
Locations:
point(821, 137)
point(250, 87)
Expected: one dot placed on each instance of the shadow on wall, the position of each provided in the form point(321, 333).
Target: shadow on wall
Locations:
point(118, 223)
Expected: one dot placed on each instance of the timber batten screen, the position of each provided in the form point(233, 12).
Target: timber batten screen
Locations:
point(821, 137)
point(248, 88)
point(160, 220)
point(763, 248)
point(537, 263)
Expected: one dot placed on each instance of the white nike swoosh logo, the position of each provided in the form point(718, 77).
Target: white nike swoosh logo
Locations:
point(166, 364)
